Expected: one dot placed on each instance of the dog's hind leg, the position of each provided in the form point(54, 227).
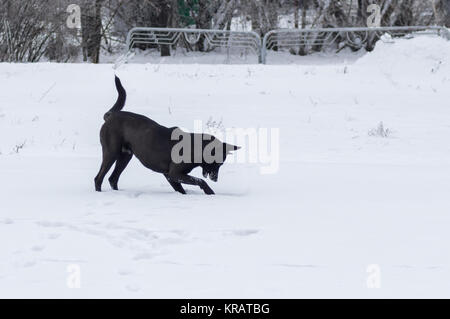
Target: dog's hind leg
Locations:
point(121, 164)
point(108, 161)
point(176, 186)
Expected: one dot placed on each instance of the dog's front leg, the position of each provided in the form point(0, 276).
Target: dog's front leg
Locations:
point(176, 186)
point(189, 180)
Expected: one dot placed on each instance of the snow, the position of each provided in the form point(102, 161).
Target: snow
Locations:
point(343, 203)
point(236, 57)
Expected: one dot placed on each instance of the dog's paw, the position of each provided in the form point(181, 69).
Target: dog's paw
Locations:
point(205, 187)
point(208, 191)
point(113, 184)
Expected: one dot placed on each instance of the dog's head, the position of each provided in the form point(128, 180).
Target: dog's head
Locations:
point(219, 152)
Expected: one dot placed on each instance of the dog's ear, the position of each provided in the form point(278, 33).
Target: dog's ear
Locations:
point(230, 148)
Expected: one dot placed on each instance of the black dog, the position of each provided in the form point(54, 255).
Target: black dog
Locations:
point(125, 134)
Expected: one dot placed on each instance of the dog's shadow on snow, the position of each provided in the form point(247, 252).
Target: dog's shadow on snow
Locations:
point(151, 192)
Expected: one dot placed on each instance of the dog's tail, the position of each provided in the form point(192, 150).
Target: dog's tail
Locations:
point(120, 103)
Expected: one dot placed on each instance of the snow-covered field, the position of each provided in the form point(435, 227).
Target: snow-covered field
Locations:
point(347, 210)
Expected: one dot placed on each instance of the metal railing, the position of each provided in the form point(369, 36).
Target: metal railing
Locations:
point(313, 40)
point(302, 41)
point(212, 38)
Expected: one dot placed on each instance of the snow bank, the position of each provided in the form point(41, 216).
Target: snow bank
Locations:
point(417, 56)
point(351, 195)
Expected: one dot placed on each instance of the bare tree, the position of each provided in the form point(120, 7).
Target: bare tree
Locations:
point(264, 15)
point(91, 29)
point(441, 10)
point(33, 29)
point(26, 29)
point(147, 13)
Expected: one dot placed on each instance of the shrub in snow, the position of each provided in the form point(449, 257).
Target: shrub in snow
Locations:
point(18, 147)
point(214, 126)
point(380, 131)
